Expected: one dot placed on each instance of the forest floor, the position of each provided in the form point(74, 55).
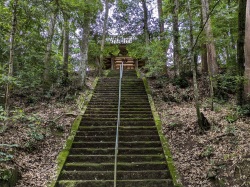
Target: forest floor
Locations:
point(37, 131)
point(219, 157)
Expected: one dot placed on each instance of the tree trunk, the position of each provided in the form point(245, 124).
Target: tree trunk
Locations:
point(46, 77)
point(204, 66)
point(247, 52)
point(84, 49)
point(232, 58)
point(211, 53)
point(65, 50)
point(240, 49)
point(213, 68)
point(145, 20)
point(11, 58)
point(176, 38)
point(160, 14)
point(104, 30)
point(196, 91)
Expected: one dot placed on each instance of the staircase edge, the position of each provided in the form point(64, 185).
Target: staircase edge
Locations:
point(62, 156)
point(165, 145)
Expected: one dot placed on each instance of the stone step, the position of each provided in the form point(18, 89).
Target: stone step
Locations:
point(120, 183)
point(114, 123)
point(123, 107)
point(115, 103)
point(111, 158)
point(112, 133)
point(113, 128)
point(122, 119)
point(107, 103)
point(135, 166)
point(134, 144)
point(122, 115)
point(109, 175)
point(110, 151)
point(112, 138)
point(114, 112)
point(131, 98)
point(145, 99)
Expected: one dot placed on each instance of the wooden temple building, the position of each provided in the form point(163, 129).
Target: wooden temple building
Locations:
point(113, 62)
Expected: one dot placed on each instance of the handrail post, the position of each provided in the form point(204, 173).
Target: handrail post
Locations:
point(118, 124)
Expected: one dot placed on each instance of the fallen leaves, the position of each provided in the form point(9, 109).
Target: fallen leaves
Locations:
point(215, 158)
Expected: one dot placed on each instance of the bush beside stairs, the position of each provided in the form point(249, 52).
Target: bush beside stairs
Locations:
point(141, 160)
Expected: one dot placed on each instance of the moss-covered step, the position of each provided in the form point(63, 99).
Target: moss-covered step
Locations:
point(121, 158)
point(102, 108)
point(122, 119)
point(121, 138)
point(94, 123)
point(110, 151)
point(112, 133)
point(109, 175)
point(93, 102)
point(136, 144)
point(122, 100)
point(113, 128)
point(113, 114)
point(136, 166)
point(121, 183)
point(94, 138)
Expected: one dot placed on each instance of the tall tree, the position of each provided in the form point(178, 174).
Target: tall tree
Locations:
point(191, 53)
point(11, 57)
point(104, 32)
point(84, 47)
point(176, 37)
point(65, 48)
point(211, 53)
point(51, 30)
point(240, 49)
point(160, 14)
point(247, 52)
point(145, 21)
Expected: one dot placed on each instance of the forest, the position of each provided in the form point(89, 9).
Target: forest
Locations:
point(197, 64)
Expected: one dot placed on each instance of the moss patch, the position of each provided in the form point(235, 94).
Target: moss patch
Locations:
point(165, 145)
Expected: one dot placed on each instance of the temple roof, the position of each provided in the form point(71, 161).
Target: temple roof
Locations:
point(115, 39)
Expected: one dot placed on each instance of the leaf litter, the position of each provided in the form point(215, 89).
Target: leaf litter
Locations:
point(221, 156)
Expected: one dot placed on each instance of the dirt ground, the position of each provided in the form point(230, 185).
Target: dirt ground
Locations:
point(37, 131)
point(220, 156)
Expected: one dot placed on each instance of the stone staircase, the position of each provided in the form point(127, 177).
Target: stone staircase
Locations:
point(141, 161)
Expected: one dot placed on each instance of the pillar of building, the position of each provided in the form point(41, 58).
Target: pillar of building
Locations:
point(136, 64)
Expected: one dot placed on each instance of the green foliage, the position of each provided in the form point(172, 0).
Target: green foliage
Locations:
point(5, 152)
point(153, 54)
point(181, 81)
point(111, 49)
point(244, 110)
point(3, 116)
point(208, 152)
point(36, 134)
point(226, 84)
point(231, 118)
point(5, 174)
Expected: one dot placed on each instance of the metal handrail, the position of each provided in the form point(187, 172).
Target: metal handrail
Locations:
point(118, 124)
